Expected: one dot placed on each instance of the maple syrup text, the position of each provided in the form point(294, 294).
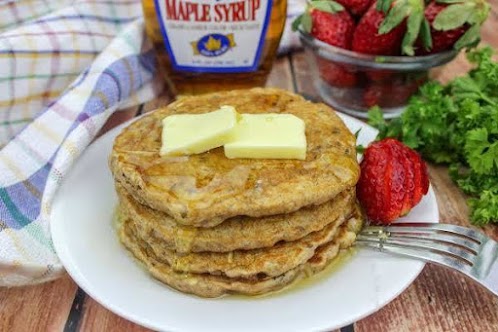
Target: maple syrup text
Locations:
point(240, 11)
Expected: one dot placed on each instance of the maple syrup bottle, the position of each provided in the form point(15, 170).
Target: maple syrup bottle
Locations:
point(212, 45)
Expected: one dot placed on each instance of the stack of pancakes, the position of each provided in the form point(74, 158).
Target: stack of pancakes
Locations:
point(209, 225)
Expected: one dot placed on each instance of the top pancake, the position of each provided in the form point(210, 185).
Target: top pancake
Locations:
point(205, 189)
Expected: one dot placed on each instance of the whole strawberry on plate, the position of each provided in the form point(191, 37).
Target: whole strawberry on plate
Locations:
point(393, 180)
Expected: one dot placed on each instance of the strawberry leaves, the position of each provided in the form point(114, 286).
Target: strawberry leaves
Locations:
point(400, 10)
point(326, 6)
point(304, 20)
point(425, 34)
point(384, 5)
point(430, 25)
point(453, 16)
point(459, 13)
point(414, 25)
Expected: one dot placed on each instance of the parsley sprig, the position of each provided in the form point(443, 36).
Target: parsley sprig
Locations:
point(457, 124)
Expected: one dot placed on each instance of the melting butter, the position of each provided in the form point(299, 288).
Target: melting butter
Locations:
point(184, 238)
point(185, 134)
point(256, 136)
point(268, 136)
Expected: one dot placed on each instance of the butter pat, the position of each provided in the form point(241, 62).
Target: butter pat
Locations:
point(269, 136)
point(185, 134)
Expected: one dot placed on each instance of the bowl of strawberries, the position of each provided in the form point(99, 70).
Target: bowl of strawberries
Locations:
point(369, 53)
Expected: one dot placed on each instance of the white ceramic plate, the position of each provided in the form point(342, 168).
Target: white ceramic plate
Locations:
point(86, 243)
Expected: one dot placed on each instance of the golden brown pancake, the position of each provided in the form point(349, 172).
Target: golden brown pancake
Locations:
point(208, 188)
point(209, 285)
point(272, 261)
point(237, 232)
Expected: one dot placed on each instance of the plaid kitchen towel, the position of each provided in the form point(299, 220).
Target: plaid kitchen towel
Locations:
point(65, 67)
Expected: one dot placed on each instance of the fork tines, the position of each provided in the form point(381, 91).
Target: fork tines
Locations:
point(463, 249)
point(448, 245)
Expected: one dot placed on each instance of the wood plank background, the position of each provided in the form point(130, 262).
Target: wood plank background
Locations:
point(438, 300)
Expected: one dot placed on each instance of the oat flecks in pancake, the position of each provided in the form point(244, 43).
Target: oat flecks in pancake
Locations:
point(272, 261)
point(235, 233)
point(208, 285)
point(206, 189)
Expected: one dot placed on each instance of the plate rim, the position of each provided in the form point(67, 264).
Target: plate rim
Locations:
point(84, 284)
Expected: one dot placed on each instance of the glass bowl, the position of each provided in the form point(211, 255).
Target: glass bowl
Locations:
point(352, 82)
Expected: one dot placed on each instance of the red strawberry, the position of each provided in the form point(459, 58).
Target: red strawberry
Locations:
point(425, 179)
point(367, 39)
point(356, 7)
point(418, 170)
point(335, 74)
point(380, 75)
point(374, 95)
point(389, 94)
point(394, 176)
point(448, 26)
point(410, 180)
point(333, 28)
point(392, 181)
point(442, 40)
point(400, 93)
point(370, 189)
point(327, 21)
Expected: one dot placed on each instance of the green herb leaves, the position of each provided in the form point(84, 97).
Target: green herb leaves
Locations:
point(481, 150)
point(457, 124)
point(397, 12)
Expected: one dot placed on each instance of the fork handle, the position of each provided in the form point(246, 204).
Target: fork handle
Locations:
point(431, 257)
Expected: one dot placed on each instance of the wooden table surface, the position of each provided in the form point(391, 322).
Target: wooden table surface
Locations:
point(438, 300)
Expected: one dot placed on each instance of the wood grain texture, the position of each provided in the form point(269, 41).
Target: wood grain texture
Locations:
point(43, 307)
point(439, 299)
point(303, 77)
point(281, 75)
point(96, 318)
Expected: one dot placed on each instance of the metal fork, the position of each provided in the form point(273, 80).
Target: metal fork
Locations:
point(463, 249)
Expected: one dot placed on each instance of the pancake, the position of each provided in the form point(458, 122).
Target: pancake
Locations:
point(272, 261)
point(206, 189)
point(208, 285)
point(235, 233)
